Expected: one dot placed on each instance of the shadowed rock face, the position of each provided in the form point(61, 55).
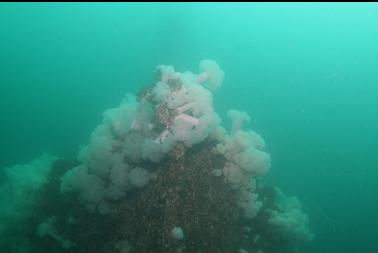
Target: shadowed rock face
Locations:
point(184, 194)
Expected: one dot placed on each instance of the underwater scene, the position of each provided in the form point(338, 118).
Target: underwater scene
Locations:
point(189, 127)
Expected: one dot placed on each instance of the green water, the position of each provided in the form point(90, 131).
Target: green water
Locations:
point(306, 73)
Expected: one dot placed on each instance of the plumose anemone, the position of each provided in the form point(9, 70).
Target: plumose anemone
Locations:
point(159, 174)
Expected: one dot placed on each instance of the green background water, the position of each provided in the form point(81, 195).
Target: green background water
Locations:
point(305, 72)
